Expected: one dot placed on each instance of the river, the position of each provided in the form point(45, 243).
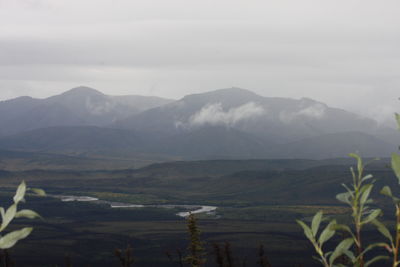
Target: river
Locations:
point(194, 209)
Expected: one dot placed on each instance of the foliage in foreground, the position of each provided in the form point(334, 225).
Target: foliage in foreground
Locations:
point(7, 216)
point(351, 251)
point(195, 249)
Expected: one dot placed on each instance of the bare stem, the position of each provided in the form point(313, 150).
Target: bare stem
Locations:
point(359, 246)
point(397, 244)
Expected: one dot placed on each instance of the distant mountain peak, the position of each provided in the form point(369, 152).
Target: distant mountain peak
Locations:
point(18, 99)
point(310, 101)
point(232, 90)
point(233, 93)
point(83, 90)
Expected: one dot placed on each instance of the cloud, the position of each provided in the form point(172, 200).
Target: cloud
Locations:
point(214, 114)
point(384, 115)
point(99, 108)
point(315, 111)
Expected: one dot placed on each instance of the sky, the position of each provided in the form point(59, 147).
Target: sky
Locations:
point(344, 52)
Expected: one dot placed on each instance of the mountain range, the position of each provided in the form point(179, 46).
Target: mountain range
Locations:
point(81, 106)
point(227, 123)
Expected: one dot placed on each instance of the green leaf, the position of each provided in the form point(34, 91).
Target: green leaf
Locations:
point(359, 162)
point(365, 192)
point(342, 227)
point(372, 246)
point(341, 249)
point(30, 214)
point(8, 216)
point(369, 201)
point(372, 216)
point(10, 239)
point(316, 221)
point(38, 191)
point(348, 190)
point(397, 116)
point(20, 194)
point(367, 177)
point(396, 165)
point(318, 259)
point(354, 155)
point(375, 259)
point(386, 191)
point(327, 233)
point(2, 212)
point(353, 174)
point(307, 231)
point(344, 197)
point(383, 230)
point(350, 255)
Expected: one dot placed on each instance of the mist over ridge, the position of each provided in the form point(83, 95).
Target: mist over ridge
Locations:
point(224, 123)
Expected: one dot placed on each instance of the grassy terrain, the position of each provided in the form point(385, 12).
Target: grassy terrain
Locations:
point(312, 186)
point(89, 234)
point(22, 161)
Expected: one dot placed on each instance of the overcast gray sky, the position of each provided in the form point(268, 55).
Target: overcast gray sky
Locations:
point(342, 52)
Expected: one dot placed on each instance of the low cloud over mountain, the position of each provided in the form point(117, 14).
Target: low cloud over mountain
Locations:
point(225, 123)
point(214, 115)
point(315, 111)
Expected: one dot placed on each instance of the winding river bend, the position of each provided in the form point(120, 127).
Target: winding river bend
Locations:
point(194, 209)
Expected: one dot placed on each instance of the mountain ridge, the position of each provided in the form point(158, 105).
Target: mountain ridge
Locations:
point(236, 107)
point(89, 106)
point(225, 123)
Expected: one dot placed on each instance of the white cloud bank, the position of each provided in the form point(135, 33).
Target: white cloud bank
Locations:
point(316, 111)
point(99, 108)
point(213, 114)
